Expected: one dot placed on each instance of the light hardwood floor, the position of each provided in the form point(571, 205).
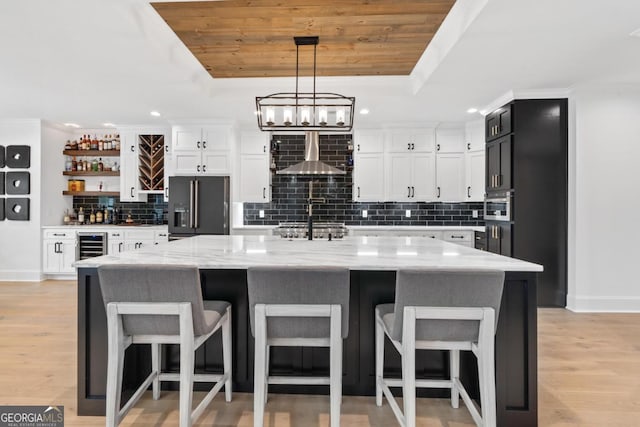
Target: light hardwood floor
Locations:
point(589, 372)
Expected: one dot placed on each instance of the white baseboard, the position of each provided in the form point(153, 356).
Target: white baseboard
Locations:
point(603, 304)
point(20, 276)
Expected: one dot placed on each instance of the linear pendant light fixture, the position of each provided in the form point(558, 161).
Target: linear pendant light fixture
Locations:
point(305, 111)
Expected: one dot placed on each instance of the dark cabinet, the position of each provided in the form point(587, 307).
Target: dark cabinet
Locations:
point(498, 123)
point(527, 156)
point(480, 240)
point(498, 155)
point(499, 238)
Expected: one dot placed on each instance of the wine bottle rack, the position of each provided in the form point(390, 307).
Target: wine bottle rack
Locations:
point(151, 162)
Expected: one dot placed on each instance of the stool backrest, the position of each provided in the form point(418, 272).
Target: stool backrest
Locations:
point(299, 285)
point(446, 288)
point(154, 283)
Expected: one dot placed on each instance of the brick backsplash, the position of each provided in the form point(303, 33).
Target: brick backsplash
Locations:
point(289, 194)
point(154, 211)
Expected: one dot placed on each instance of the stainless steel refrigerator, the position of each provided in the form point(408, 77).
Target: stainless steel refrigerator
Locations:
point(198, 205)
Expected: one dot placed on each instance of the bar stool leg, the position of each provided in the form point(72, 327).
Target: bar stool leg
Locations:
point(454, 368)
point(266, 375)
point(259, 365)
point(409, 366)
point(335, 367)
point(187, 355)
point(115, 367)
point(156, 363)
point(226, 354)
point(379, 360)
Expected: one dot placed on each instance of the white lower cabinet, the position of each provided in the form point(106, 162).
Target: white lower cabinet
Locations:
point(115, 242)
point(461, 237)
point(59, 252)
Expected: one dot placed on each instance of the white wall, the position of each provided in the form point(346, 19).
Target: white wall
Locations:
point(53, 182)
point(20, 242)
point(604, 205)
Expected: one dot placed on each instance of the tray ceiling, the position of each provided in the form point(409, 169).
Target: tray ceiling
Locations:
point(254, 38)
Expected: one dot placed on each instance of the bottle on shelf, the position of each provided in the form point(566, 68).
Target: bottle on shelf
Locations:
point(67, 218)
point(100, 165)
point(68, 164)
point(116, 216)
point(101, 145)
point(99, 216)
point(92, 217)
point(94, 143)
point(81, 215)
point(74, 164)
point(106, 217)
point(94, 165)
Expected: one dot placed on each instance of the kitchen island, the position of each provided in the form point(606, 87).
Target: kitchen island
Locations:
point(223, 261)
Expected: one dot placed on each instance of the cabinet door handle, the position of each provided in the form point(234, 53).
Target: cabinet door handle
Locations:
point(468, 146)
point(437, 147)
point(204, 168)
point(408, 146)
point(264, 193)
point(120, 247)
point(58, 234)
point(264, 148)
point(499, 180)
point(198, 144)
point(55, 248)
point(204, 144)
point(358, 187)
point(198, 168)
point(413, 146)
point(358, 147)
point(413, 191)
point(166, 148)
point(408, 191)
point(166, 192)
point(133, 149)
point(132, 188)
point(469, 192)
point(438, 192)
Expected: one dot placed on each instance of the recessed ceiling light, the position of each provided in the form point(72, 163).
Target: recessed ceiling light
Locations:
point(155, 114)
point(472, 110)
point(109, 125)
point(72, 125)
point(635, 33)
point(364, 111)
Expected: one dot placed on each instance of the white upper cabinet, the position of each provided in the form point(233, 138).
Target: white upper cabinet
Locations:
point(368, 169)
point(475, 161)
point(368, 141)
point(474, 136)
point(411, 177)
point(450, 140)
point(450, 177)
point(418, 140)
point(255, 177)
point(201, 150)
point(129, 181)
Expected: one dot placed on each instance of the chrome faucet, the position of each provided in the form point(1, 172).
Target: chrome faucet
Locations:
point(310, 201)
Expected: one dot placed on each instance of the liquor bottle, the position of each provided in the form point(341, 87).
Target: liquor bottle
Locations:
point(100, 165)
point(74, 164)
point(99, 216)
point(116, 216)
point(92, 217)
point(81, 215)
point(94, 143)
point(106, 218)
point(101, 144)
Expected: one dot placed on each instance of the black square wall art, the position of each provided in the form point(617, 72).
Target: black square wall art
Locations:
point(17, 183)
point(1, 182)
point(17, 209)
point(18, 156)
point(1, 209)
point(1, 156)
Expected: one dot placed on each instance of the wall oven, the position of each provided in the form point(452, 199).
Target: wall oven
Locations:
point(497, 207)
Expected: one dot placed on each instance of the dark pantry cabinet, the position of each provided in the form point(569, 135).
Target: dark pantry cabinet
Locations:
point(526, 155)
point(498, 155)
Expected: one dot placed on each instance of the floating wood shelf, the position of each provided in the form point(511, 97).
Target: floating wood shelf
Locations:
point(91, 173)
point(91, 193)
point(151, 162)
point(103, 153)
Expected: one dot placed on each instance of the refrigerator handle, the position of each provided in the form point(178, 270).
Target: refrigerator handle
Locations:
point(191, 207)
point(196, 213)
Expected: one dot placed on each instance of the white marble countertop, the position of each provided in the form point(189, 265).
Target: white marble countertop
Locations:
point(356, 253)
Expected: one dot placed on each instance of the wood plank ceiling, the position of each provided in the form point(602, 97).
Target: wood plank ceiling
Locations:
point(254, 38)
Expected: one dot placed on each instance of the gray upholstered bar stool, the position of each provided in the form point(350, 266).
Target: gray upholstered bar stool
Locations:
point(157, 304)
point(318, 299)
point(441, 310)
